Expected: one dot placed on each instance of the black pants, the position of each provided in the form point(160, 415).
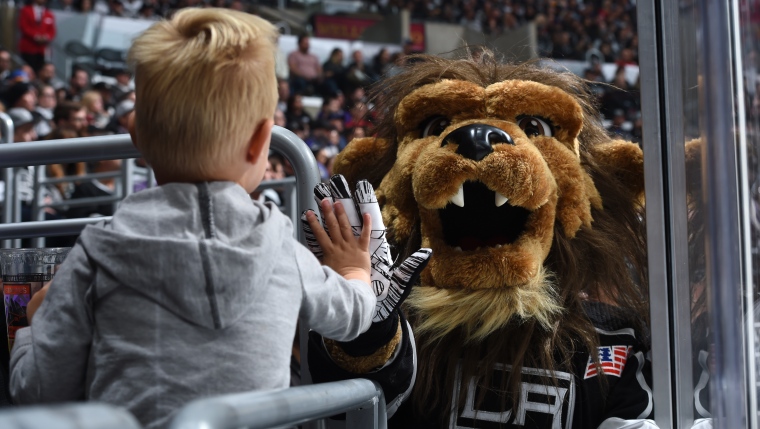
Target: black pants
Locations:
point(35, 61)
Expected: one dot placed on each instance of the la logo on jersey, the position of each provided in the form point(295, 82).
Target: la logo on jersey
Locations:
point(540, 405)
point(612, 360)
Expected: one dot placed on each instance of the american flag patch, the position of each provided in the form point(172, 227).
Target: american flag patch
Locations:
point(612, 360)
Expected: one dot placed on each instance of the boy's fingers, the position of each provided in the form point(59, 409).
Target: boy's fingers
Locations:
point(311, 239)
point(366, 230)
point(322, 192)
point(365, 197)
point(319, 233)
point(345, 226)
point(329, 220)
point(340, 192)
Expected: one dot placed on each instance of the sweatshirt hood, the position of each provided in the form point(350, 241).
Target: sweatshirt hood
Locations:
point(189, 247)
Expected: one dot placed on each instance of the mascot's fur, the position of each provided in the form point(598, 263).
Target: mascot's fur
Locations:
point(551, 214)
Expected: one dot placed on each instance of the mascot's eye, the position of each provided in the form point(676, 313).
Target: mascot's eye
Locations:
point(534, 126)
point(434, 126)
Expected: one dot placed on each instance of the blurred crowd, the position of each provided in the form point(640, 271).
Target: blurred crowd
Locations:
point(43, 107)
point(142, 9)
point(567, 29)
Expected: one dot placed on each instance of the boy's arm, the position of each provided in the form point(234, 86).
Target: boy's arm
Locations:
point(333, 306)
point(49, 359)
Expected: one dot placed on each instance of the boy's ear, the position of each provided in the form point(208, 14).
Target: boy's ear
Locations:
point(260, 140)
point(131, 128)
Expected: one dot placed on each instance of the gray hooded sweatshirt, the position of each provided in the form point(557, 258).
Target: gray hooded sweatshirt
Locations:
point(189, 291)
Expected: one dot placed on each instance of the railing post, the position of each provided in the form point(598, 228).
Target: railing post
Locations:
point(38, 211)
point(6, 136)
point(372, 415)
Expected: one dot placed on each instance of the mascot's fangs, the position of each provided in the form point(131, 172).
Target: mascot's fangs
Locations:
point(529, 311)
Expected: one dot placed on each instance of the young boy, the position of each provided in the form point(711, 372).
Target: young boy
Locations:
point(192, 289)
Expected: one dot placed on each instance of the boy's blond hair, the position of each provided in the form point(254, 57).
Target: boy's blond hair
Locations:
point(204, 81)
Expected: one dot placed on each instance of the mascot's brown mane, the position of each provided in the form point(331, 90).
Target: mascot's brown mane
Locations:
point(600, 260)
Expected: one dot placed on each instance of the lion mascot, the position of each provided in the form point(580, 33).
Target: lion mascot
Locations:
point(525, 305)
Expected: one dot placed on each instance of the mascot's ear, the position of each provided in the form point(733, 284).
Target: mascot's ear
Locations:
point(623, 159)
point(367, 158)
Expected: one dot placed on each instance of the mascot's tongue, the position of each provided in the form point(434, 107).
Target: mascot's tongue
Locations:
point(472, 243)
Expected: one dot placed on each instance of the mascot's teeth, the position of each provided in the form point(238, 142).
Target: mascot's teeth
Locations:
point(458, 199)
point(500, 200)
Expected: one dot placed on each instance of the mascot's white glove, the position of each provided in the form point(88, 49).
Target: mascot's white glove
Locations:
point(391, 285)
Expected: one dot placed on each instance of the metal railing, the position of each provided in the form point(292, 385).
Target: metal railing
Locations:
point(6, 136)
point(68, 416)
point(118, 147)
point(362, 401)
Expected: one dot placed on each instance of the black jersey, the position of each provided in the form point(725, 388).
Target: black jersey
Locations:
point(571, 400)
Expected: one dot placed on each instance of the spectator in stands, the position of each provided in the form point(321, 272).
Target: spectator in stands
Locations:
point(106, 93)
point(358, 116)
point(123, 84)
point(20, 94)
point(5, 65)
point(46, 76)
point(283, 93)
point(332, 108)
point(64, 170)
point(321, 154)
point(97, 116)
point(620, 96)
point(358, 95)
point(319, 137)
point(37, 27)
point(131, 7)
point(104, 187)
point(304, 68)
point(120, 121)
point(78, 84)
point(381, 62)
point(357, 73)
point(297, 114)
point(356, 133)
point(279, 118)
point(127, 96)
point(196, 235)
point(85, 6)
point(148, 12)
point(64, 5)
point(23, 124)
point(70, 116)
point(269, 194)
point(334, 72)
point(46, 103)
point(164, 8)
point(627, 58)
point(237, 5)
point(117, 9)
point(298, 129)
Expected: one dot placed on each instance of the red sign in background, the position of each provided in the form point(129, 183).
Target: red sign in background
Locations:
point(351, 28)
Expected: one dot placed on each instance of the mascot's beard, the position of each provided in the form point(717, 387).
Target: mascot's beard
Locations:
point(482, 312)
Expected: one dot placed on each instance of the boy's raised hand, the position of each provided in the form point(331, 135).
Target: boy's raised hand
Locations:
point(391, 284)
point(342, 251)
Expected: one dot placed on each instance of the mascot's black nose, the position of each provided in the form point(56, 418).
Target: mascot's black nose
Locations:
point(475, 140)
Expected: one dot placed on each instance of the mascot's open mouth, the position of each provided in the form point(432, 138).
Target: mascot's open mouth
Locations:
point(478, 217)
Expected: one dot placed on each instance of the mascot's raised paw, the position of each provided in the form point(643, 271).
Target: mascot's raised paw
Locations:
point(390, 284)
